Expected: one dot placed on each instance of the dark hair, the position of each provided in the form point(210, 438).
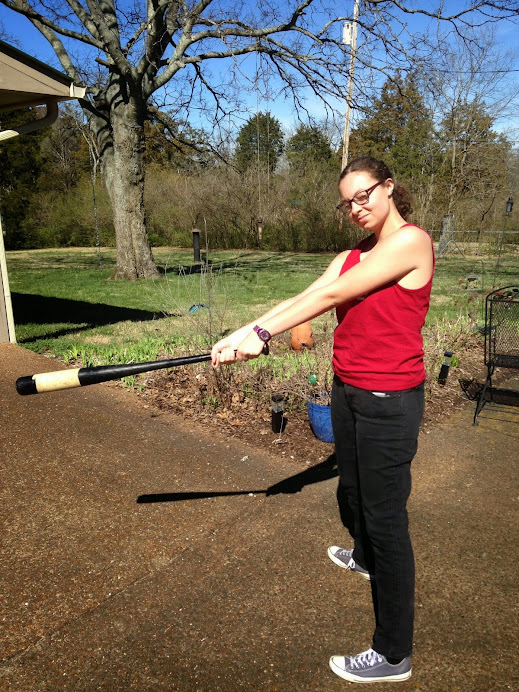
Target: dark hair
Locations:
point(379, 171)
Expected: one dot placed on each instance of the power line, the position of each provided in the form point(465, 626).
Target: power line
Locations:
point(476, 71)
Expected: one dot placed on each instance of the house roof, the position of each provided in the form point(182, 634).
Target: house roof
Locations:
point(25, 81)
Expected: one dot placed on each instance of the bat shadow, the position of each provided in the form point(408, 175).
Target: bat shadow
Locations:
point(294, 484)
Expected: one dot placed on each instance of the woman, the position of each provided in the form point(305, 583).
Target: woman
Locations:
point(380, 291)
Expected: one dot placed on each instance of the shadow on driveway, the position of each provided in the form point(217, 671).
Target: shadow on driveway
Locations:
point(293, 484)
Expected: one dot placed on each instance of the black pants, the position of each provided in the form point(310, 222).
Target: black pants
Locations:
point(376, 437)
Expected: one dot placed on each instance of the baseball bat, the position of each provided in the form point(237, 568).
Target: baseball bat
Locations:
point(81, 377)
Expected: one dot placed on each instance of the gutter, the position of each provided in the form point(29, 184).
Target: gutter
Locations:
point(48, 119)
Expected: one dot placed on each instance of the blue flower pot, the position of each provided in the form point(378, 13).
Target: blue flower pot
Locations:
point(319, 414)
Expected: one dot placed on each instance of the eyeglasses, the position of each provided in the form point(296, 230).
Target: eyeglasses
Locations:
point(361, 198)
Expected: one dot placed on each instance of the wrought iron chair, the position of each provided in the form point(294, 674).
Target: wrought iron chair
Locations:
point(501, 344)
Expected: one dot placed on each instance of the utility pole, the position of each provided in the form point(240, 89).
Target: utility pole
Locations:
point(349, 38)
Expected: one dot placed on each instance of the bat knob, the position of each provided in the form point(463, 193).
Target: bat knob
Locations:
point(26, 385)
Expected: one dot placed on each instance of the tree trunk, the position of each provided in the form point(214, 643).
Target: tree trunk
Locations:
point(124, 176)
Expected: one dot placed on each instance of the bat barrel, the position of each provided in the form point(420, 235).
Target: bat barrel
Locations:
point(105, 373)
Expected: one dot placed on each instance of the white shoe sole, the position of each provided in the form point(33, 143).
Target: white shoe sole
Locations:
point(351, 677)
point(341, 564)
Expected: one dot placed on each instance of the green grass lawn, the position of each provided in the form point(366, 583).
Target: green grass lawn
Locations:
point(63, 299)
point(66, 305)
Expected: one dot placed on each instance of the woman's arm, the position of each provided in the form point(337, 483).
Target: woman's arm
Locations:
point(230, 343)
point(403, 252)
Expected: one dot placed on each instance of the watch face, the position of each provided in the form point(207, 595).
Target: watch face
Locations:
point(263, 334)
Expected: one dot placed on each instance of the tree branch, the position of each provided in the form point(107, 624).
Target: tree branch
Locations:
point(23, 7)
point(104, 17)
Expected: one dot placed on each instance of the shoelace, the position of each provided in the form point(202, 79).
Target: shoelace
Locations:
point(366, 659)
point(342, 553)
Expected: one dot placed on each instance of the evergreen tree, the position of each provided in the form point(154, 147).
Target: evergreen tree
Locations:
point(259, 143)
point(21, 165)
point(308, 147)
point(398, 130)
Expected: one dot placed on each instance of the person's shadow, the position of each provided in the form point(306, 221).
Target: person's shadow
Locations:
point(294, 484)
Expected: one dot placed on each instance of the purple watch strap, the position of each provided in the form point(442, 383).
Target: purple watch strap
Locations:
point(263, 334)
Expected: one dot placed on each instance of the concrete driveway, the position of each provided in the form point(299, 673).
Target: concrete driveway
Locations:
point(139, 553)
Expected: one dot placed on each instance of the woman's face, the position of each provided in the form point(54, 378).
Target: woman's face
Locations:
point(371, 214)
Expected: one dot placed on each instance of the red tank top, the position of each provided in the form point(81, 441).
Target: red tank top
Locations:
point(378, 342)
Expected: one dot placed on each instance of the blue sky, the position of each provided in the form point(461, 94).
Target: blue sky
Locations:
point(32, 42)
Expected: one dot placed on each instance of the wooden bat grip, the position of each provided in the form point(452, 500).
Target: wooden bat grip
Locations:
point(48, 381)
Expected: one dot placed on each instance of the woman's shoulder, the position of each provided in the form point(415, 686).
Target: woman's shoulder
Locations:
point(411, 234)
point(414, 228)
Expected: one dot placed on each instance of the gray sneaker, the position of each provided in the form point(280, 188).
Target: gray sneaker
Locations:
point(370, 667)
point(344, 558)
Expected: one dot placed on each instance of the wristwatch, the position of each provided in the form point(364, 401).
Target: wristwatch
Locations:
point(263, 334)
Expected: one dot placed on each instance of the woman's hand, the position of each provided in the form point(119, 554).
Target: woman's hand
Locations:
point(224, 351)
point(242, 345)
point(251, 347)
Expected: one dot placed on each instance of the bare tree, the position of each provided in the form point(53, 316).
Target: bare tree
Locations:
point(141, 47)
point(470, 92)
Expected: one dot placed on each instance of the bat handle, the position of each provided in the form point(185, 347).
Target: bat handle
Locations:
point(48, 381)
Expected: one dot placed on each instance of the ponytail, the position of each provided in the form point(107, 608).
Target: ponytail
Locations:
point(403, 201)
